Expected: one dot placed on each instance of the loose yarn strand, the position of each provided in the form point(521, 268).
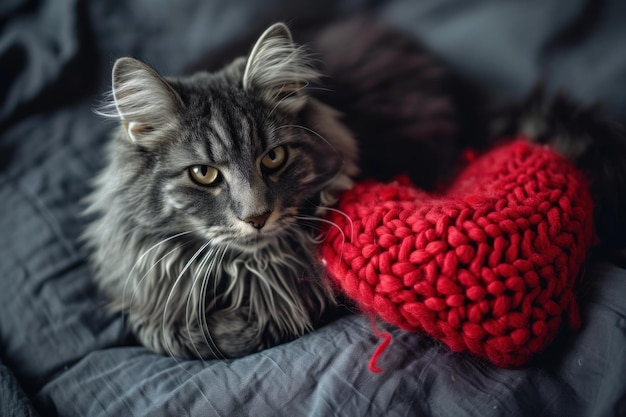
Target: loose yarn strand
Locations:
point(386, 341)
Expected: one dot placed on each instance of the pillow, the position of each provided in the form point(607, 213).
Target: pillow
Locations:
point(487, 267)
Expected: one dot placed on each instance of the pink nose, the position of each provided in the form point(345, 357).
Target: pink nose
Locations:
point(258, 221)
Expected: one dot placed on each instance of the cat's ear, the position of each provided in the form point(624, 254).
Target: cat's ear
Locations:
point(279, 70)
point(145, 102)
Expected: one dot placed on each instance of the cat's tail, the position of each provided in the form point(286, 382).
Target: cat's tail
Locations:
point(594, 142)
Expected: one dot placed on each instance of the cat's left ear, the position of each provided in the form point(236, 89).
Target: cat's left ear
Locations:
point(279, 70)
point(145, 102)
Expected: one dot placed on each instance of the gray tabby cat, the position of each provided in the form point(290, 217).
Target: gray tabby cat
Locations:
point(202, 218)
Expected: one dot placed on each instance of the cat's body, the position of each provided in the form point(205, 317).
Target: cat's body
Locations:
point(206, 214)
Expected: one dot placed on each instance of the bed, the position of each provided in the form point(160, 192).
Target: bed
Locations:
point(63, 354)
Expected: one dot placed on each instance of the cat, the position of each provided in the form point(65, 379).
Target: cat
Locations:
point(204, 218)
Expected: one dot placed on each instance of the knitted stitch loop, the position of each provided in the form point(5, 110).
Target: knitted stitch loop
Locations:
point(488, 267)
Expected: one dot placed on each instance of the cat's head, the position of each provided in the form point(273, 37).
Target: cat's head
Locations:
point(234, 156)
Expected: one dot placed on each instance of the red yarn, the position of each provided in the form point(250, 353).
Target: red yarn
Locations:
point(380, 349)
point(488, 267)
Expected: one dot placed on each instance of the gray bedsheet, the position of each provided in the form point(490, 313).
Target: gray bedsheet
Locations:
point(72, 358)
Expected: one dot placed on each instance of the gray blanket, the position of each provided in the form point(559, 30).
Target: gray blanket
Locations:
point(72, 358)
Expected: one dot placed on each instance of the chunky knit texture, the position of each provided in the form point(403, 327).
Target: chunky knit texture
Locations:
point(487, 267)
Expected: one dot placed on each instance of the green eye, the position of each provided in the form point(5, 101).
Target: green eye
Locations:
point(204, 174)
point(275, 158)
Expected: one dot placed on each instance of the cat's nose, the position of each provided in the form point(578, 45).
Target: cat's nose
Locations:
point(258, 221)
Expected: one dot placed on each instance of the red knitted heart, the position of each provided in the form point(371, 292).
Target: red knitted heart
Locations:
point(488, 267)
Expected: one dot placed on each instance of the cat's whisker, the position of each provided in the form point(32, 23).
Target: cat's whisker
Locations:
point(296, 91)
point(317, 219)
point(330, 198)
point(278, 294)
point(202, 313)
point(137, 285)
point(329, 222)
point(342, 213)
point(169, 297)
point(138, 262)
point(320, 220)
point(188, 313)
point(321, 89)
point(324, 221)
point(310, 131)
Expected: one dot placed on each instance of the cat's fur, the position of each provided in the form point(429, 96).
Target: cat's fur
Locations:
point(226, 269)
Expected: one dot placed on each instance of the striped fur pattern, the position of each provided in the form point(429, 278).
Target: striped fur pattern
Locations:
point(223, 269)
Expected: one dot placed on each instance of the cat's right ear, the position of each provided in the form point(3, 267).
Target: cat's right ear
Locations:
point(278, 70)
point(144, 101)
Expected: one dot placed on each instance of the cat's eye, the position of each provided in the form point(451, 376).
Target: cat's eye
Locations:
point(204, 174)
point(275, 158)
